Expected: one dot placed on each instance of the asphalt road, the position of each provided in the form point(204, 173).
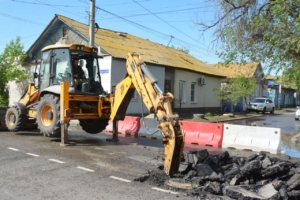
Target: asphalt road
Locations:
point(36, 167)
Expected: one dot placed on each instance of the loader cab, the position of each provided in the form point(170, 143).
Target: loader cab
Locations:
point(57, 66)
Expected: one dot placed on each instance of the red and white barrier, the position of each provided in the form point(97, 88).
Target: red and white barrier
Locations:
point(128, 127)
point(202, 133)
point(252, 138)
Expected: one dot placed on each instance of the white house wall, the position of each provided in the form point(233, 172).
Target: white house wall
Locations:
point(205, 95)
point(117, 74)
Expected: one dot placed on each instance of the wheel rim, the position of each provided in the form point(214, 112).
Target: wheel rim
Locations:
point(47, 115)
point(11, 118)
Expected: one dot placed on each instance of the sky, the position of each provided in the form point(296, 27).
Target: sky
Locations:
point(168, 22)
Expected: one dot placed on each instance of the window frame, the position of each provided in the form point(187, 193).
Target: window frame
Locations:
point(193, 92)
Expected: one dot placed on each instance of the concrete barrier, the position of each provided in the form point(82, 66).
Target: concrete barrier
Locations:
point(149, 128)
point(202, 133)
point(251, 138)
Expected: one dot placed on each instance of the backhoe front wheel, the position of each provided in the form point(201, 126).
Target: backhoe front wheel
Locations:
point(48, 116)
point(93, 126)
point(14, 120)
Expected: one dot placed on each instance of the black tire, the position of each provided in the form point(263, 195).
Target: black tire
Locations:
point(14, 120)
point(48, 116)
point(93, 126)
point(296, 119)
point(272, 111)
point(264, 110)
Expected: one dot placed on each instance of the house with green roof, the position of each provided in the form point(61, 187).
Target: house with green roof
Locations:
point(191, 81)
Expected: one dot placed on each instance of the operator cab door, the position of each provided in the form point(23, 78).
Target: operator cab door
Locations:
point(55, 68)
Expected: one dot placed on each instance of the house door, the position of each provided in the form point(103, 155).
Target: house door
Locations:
point(168, 86)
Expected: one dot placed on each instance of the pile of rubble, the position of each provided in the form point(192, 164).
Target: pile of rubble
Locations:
point(222, 176)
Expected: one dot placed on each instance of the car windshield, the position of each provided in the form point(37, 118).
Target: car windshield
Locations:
point(258, 101)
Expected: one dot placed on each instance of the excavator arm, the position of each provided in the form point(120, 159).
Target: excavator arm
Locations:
point(139, 78)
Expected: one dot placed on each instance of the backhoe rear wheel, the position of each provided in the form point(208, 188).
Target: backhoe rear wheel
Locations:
point(14, 120)
point(93, 126)
point(48, 116)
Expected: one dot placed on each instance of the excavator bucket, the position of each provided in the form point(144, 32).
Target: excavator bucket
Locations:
point(173, 140)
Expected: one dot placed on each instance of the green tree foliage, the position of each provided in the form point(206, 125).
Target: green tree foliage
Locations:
point(10, 68)
point(235, 89)
point(183, 49)
point(265, 31)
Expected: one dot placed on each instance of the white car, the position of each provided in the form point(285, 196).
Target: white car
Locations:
point(261, 105)
point(297, 113)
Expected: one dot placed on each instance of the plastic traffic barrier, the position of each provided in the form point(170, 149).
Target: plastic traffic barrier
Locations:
point(128, 127)
point(252, 138)
point(202, 133)
point(149, 128)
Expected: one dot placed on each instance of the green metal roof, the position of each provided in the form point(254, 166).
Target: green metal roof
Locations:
point(118, 44)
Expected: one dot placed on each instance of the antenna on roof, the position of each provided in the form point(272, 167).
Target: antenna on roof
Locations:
point(170, 40)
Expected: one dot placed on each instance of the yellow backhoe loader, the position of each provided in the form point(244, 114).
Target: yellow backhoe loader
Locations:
point(88, 102)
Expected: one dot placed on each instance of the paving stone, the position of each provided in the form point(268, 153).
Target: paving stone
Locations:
point(252, 157)
point(251, 166)
point(294, 194)
point(269, 192)
point(297, 170)
point(294, 186)
point(266, 162)
point(190, 174)
point(285, 175)
point(223, 156)
point(283, 193)
point(214, 177)
point(241, 160)
point(202, 155)
point(231, 160)
point(213, 187)
point(292, 180)
point(237, 192)
point(277, 184)
point(204, 170)
point(184, 167)
point(275, 169)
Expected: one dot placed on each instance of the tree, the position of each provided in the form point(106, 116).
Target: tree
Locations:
point(180, 48)
point(265, 31)
point(10, 68)
point(236, 88)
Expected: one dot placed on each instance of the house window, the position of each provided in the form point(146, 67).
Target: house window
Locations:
point(193, 93)
point(64, 32)
point(182, 91)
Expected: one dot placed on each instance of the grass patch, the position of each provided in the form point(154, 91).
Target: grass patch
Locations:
point(209, 114)
point(281, 110)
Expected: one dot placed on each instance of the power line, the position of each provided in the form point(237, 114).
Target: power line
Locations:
point(154, 32)
point(45, 4)
point(169, 24)
point(20, 19)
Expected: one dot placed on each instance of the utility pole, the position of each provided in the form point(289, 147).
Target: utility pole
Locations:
point(92, 22)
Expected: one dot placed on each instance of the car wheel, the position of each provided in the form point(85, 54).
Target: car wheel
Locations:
point(296, 119)
point(264, 110)
point(272, 111)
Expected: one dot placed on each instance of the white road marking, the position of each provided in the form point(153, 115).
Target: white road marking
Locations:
point(13, 149)
point(86, 169)
point(162, 190)
point(101, 149)
point(117, 153)
point(120, 179)
point(58, 161)
point(31, 154)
